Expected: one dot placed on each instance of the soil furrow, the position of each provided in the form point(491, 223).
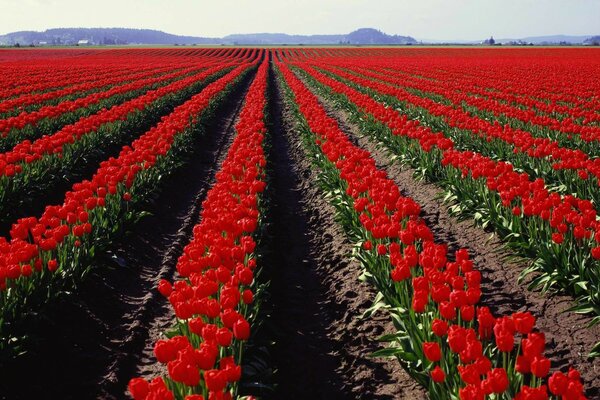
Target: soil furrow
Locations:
point(104, 335)
point(569, 339)
point(322, 344)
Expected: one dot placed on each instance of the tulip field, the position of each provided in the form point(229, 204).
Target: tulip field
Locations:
point(208, 223)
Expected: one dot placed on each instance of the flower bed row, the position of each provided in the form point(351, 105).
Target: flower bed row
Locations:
point(474, 91)
point(559, 167)
point(213, 297)
point(24, 77)
point(567, 149)
point(34, 167)
point(538, 80)
point(449, 344)
point(49, 118)
point(533, 97)
point(102, 80)
point(558, 232)
point(548, 157)
point(45, 254)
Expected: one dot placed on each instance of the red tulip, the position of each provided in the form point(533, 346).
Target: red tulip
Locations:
point(165, 288)
point(139, 388)
point(499, 380)
point(540, 366)
point(215, 380)
point(52, 265)
point(439, 327)
point(558, 383)
point(241, 329)
point(438, 375)
point(432, 351)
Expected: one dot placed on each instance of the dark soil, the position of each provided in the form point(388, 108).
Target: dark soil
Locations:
point(568, 337)
point(92, 342)
point(322, 343)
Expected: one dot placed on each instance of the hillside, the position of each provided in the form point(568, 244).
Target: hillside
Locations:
point(363, 36)
point(69, 36)
point(112, 36)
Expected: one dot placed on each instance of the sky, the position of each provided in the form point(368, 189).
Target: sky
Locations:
point(422, 19)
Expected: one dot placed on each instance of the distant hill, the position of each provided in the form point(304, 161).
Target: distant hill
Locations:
point(122, 36)
point(536, 40)
point(550, 39)
point(595, 40)
point(363, 36)
point(70, 36)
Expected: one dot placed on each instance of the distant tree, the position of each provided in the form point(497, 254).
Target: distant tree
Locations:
point(17, 44)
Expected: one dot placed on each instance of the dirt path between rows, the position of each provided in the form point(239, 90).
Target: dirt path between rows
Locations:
point(568, 337)
point(94, 341)
point(322, 345)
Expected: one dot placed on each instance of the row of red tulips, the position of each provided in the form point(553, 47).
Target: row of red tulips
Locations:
point(33, 168)
point(446, 340)
point(560, 101)
point(33, 77)
point(28, 152)
point(118, 86)
point(543, 158)
point(473, 125)
point(541, 139)
point(102, 81)
point(24, 77)
point(560, 232)
point(538, 80)
point(48, 252)
point(474, 91)
point(560, 154)
point(213, 297)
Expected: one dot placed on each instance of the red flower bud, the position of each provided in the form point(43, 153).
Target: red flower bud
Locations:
point(215, 380)
point(432, 351)
point(138, 388)
point(558, 383)
point(165, 288)
point(499, 380)
point(558, 238)
point(438, 375)
point(247, 296)
point(52, 265)
point(540, 366)
point(439, 327)
point(241, 329)
point(224, 337)
point(165, 351)
point(524, 322)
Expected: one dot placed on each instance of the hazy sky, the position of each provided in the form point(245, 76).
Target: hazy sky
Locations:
point(430, 19)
